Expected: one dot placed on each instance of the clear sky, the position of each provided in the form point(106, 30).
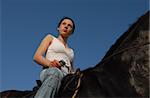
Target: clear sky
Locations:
point(24, 23)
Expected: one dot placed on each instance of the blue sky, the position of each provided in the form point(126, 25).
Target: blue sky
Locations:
point(24, 23)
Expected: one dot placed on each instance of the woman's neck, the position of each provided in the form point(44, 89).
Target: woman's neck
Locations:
point(63, 40)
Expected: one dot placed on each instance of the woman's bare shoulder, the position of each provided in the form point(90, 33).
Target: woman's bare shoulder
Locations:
point(49, 37)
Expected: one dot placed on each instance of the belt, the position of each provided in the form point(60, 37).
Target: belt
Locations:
point(63, 64)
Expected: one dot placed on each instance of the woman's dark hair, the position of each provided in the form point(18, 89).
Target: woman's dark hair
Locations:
point(69, 19)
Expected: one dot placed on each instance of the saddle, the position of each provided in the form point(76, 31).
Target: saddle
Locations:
point(70, 85)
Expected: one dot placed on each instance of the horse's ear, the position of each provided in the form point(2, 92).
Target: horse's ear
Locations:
point(78, 71)
point(39, 83)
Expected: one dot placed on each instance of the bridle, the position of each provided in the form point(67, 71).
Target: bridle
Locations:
point(78, 85)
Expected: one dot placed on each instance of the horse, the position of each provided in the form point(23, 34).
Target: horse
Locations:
point(123, 71)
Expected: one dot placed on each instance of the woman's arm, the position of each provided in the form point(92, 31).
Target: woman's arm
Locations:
point(38, 56)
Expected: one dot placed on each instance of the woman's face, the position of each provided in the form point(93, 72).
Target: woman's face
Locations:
point(65, 28)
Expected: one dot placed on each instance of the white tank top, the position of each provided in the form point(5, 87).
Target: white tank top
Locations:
point(58, 51)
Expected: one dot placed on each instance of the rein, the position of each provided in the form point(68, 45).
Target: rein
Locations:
point(77, 88)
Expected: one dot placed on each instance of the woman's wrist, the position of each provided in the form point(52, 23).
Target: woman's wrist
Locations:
point(46, 63)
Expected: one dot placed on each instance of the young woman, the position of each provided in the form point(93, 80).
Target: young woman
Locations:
point(58, 60)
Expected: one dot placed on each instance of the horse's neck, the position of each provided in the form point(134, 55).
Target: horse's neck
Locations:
point(114, 68)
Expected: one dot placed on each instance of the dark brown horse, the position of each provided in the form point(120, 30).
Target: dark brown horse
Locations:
point(123, 72)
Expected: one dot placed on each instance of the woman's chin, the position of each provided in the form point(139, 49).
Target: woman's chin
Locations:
point(64, 34)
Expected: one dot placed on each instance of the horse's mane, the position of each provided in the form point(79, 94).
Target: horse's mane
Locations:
point(128, 58)
point(142, 24)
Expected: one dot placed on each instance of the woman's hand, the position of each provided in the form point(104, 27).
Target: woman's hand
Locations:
point(55, 63)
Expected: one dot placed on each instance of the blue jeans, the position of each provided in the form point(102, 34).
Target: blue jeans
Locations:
point(51, 80)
